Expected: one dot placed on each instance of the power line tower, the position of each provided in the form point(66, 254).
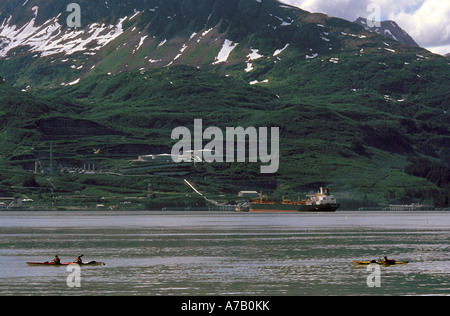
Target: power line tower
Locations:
point(51, 158)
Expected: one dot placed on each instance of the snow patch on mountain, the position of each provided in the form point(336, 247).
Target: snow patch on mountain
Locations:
point(141, 42)
point(279, 51)
point(254, 55)
point(225, 52)
point(162, 43)
point(51, 38)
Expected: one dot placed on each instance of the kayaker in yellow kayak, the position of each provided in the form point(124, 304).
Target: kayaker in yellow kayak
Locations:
point(388, 261)
point(384, 261)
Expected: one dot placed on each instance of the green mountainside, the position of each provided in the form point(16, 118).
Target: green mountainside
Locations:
point(358, 113)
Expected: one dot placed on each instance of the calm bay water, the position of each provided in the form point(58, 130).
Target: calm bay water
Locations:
point(220, 253)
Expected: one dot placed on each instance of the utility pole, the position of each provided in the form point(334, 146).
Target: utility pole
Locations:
point(149, 191)
point(51, 157)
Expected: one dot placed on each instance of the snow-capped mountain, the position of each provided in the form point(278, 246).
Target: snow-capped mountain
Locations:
point(50, 37)
point(37, 42)
point(41, 27)
point(389, 29)
point(122, 35)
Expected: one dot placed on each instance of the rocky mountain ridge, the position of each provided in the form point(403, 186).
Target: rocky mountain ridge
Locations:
point(389, 29)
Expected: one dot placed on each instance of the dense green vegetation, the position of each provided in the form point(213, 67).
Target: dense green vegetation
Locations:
point(437, 173)
point(366, 117)
point(358, 152)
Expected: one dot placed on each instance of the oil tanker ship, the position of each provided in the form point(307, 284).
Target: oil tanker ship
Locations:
point(322, 201)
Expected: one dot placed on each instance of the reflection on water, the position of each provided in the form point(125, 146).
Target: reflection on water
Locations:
point(225, 253)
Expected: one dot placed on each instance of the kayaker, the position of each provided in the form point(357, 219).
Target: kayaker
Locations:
point(389, 261)
point(79, 260)
point(56, 260)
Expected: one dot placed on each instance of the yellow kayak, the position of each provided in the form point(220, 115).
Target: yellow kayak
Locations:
point(386, 263)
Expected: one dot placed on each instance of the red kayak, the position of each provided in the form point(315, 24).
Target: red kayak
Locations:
point(91, 263)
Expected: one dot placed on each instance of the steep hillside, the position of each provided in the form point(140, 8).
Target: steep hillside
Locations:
point(40, 51)
point(334, 139)
point(122, 36)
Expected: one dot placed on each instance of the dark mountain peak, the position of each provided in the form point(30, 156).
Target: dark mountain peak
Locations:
point(389, 29)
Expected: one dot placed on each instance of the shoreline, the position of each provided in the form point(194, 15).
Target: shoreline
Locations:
point(178, 209)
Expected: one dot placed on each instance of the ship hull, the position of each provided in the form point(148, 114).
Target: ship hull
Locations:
point(291, 208)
